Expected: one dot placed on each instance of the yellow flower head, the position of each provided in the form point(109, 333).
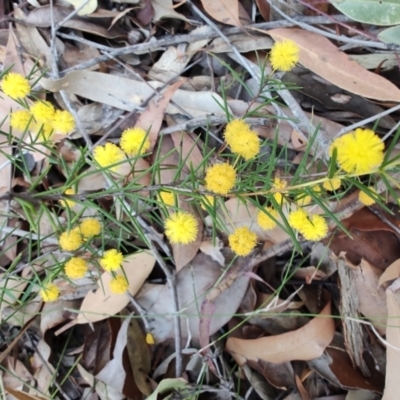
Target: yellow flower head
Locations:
point(49, 292)
point(134, 141)
point(112, 260)
point(312, 227)
point(119, 285)
point(359, 152)
point(67, 202)
point(181, 228)
point(279, 184)
point(365, 198)
point(168, 198)
point(63, 122)
point(70, 241)
point(15, 86)
point(241, 139)
point(42, 111)
point(284, 55)
point(264, 218)
point(90, 227)
point(242, 241)
point(75, 268)
point(220, 178)
point(297, 219)
point(150, 339)
point(315, 229)
point(107, 155)
point(20, 120)
point(208, 200)
point(332, 184)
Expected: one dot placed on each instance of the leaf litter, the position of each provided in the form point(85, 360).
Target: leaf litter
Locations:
point(149, 317)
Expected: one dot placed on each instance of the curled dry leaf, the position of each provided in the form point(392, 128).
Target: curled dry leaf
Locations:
point(192, 283)
point(321, 56)
point(127, 94)
point(391, 273)
point(305, 343)
point(225, 11)
point(102, 303)
point(393, 347)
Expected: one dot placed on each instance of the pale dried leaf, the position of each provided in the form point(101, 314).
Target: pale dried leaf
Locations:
point(321, 56)
point(393, 349)
point(164, 9)
point(113, 374)
point(102, 303)
point(225, 11)
point(305, 343)
point(391, 273)
point(89, 8)
point(127, 94)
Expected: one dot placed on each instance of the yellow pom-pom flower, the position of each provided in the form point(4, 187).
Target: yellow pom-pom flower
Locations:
point(265, 218)
point(284, 55)
point(365, 198)
point(220, 178)
point(63, 122)
point(241, 139)
point(315, 229)
point(49, 292)
point(119, 285)
point(67, 202)
point(90, 227)
point(150, 339)
point(181, 228)
point(312, 227)
point(242, 241)
point(43, 111)
point(332, 184)
point(112, 260)
point(70, 241)
point(279, 184)
point(359, 152)
point(20, 120)
point(304, 199)
point(168, 198)
point(75, 268)
point(134, 141)
point(107, 155)
point(297, 219)
point(15, 86)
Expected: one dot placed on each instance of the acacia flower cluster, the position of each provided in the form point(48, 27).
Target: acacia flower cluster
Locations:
point(181, 228)
point(15, 86)
point(241, 139)
point(284, 55)
point(358, 152)
point(43, 119)
point(134, 142)
point(366, 198)
point(312, 227)
point(242, 241)
point(266, 218)
point(220, 178)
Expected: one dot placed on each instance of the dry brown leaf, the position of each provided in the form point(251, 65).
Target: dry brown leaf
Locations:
point(20, 395)
point(321, 56)
point(391, 273)
point(391, 391)
point(152, 117)
point(188, 149)
point(372, 299)
point(225, 11)
point(102, 304)
point(305, 343)
point(113, 374)
point(192, 283)
point(165, 9)
point(126, 94)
